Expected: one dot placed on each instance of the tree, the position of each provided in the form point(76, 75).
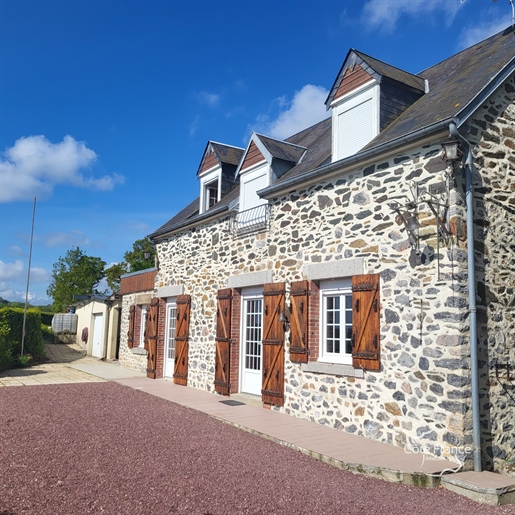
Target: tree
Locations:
point(113, 275)
point(75, 274)
point(136, 258)
point(134, 261)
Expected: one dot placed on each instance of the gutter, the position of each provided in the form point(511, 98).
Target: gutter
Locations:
point(185, 224)
point(352, 161)
point(474, 365)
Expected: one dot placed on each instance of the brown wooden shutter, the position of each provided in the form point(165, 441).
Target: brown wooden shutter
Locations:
point(151, 337)
point(365, 322)
point(223, 341)
point(180, 373)
point(299, 295)
point(130, 332)
point(273, 344)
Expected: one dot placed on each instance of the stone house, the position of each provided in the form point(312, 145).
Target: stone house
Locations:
point(357, 274)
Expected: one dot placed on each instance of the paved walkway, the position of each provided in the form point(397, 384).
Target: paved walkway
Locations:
point(68, 364)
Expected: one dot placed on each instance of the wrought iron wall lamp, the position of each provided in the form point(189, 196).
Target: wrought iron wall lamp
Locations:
point(407, 216)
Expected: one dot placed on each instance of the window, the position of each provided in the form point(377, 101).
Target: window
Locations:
point(209, 189)
point(336, 317)
point(143, 326)
point(355, 121)
point(170, 338)
point(211, 194)
point(253, 324)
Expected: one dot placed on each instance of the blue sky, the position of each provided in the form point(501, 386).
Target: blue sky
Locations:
point(106, 106)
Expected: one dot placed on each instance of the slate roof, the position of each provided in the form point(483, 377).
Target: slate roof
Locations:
point(227, 154)
point(456, 86)
point(376, 69)
point(278, 149)
point(453, 85)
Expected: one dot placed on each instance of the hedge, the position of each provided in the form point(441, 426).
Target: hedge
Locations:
point(11, 329)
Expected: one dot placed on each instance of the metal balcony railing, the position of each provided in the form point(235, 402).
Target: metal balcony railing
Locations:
point(251, 220)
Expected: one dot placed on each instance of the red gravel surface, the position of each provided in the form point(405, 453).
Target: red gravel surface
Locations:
point(105, 448)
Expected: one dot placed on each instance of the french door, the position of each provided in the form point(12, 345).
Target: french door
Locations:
point(171, 325)
point(251, 346)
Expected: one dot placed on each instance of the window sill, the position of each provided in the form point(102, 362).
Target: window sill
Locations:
point(139, 350)
point(334, 369)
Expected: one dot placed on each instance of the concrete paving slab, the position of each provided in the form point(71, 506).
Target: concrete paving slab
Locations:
point(484, 487)
point(107, 371)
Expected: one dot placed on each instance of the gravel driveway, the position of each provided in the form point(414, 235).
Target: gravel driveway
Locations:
point(104, 448)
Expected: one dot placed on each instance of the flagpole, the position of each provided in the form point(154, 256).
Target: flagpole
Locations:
point(28, 278)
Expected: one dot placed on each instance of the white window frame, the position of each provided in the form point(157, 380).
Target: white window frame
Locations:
point(171, 308)
point(328, 289)
point(369, 91)
point(261, 170)
point(207, 179)
point(143, 325)
point(254, 293)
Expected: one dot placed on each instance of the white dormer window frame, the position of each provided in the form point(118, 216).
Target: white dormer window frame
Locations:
point(347, 110)
point(210, 188)
point(261, 173)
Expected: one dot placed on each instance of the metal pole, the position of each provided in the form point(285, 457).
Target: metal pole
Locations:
point(28, 279)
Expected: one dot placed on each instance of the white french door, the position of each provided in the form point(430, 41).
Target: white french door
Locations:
point(171, 324)
point(251, 348)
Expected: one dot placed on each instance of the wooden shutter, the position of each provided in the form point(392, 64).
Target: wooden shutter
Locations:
point(130, 332)
point(151, 337)
point(299, 295)
point(365, 322)
point(180, 373)
point(273, 344)
point(223, 341)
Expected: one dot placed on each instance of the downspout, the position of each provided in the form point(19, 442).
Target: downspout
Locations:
point(474, 366)
point(109, 304)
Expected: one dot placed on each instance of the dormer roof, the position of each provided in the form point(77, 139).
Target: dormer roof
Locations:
point(219, 154)
point(265, 148)
point(359, 68)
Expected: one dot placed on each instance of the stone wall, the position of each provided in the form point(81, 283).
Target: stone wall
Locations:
point(421, 397)
point(493, 132)
point(424, 354)
point(135, 358)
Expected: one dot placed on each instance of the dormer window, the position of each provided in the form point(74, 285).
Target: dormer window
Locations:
point(355, 120)
point(210, 190)
point(211, 194)
point(217, 173)
point(366, 97)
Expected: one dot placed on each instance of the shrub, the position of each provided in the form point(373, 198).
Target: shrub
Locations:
point(46, 318)
point(6, 354)
point(12, 319)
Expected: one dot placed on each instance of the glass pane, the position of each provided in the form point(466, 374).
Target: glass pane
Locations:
point(172, 321)
point(252, 342)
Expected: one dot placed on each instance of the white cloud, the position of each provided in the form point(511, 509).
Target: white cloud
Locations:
point(15, 250)
point(209, 99)
point(17, 296)
point(474, 34)
point(73, 238)
point(194, 126)
point(9, 271)
point(33, 166)
point(14, 275)
point(40, 275)
point(384, 14)
point(306, 109)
